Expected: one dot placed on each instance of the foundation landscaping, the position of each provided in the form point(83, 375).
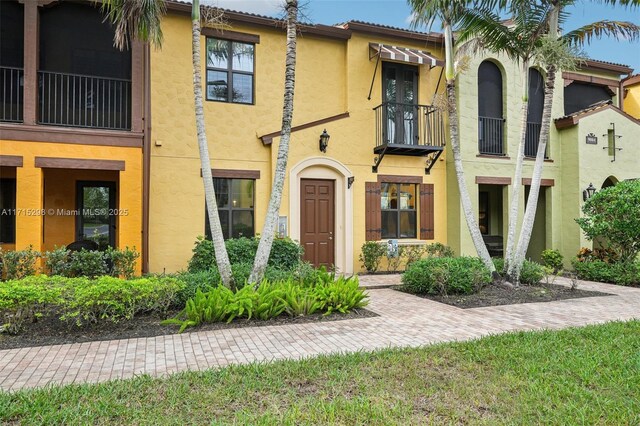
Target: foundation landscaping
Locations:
point(94, 296)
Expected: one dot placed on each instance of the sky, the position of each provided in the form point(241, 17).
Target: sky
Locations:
point(397, 13)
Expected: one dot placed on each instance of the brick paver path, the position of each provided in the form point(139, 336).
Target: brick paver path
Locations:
point(404, 320)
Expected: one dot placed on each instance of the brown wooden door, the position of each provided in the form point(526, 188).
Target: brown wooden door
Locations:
point(317, 219)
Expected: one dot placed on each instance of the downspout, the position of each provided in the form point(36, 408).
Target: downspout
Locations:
point(146, 159)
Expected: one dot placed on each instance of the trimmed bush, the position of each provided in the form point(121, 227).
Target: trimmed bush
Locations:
point(438, 250)
point(270, 300)
point(285, 253)
point(194, 281)
point(371, 255)
point(530, 274)
point(91, 263)
point(621, 273)
point(552, 259)
point(83, 300)
point(446, 275)
point(23, 301)
point(17, 264)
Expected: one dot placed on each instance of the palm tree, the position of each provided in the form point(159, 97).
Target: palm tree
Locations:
point(141, 19)
point(222, 257)
point(451, 13)
point(556, 53)
point(271, 221)
point(520, 38)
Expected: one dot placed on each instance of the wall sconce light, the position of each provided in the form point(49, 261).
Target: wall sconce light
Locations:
point(350, 180)
point(324, 140)
point(588, 193)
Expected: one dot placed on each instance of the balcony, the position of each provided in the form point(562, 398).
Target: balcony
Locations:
point(491, 136)
point(76, 100)
point(409, 129)
point(532, 139)
point(11, 94)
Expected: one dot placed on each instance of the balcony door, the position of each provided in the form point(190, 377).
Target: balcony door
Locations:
point(400, 96)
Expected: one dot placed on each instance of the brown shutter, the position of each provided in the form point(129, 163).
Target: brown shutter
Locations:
point(426, 211)
point(373, 215)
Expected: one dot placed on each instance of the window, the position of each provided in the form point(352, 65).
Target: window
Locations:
point(490, 118)
point(235, 207)
point(534, 114)
point(578, 96)
point(230, 71)
point(398, 205)
point(7, 211)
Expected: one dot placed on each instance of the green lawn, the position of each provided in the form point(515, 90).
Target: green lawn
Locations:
point(587, 375)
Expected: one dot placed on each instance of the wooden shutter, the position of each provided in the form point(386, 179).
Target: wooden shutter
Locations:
point(373, 215)
point(426, 211)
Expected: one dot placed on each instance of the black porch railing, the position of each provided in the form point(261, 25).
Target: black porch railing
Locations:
point(532, 139)
point(11, 94)
point(84, 101)
point(491, 136)
point(409, 124)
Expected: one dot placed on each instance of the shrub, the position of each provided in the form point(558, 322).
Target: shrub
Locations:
point(285, 253)
point(371, 255)
point(18, 264)
point(412, 253)
point(83, 300)
point(123, 262)
point(270, 300)
point(446, 275)
point(604, 254)
point(88, 263)
point(25, 300)
point(622, 273)
point(113, 299)
point(552, 259)
point(194, 281)
point(203, 258)
point(530, 274)
point(438, 250)
point(57, 262)
point(612, 214)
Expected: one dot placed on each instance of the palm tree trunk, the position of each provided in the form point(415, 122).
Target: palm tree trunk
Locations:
point(454, 136)
point(222, 258)
point(271, 221)
point(517, 176)
point(534, 190)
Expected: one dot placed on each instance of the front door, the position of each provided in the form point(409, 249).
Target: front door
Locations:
point(400, 95)
point(96, 220)
point(317, 219)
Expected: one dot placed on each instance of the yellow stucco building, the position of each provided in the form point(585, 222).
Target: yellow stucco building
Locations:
point(71, 130)
point(370, 87)
point(631, 93)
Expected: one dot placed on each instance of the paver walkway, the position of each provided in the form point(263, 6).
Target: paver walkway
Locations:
point(404, 320)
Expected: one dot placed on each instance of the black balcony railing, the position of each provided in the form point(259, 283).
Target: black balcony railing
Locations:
point(84, 101)
point(532, 139)
point(491, 136)
point(409, 125)
point(11, 94)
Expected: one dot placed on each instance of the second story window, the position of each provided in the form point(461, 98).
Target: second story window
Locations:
point(230, 71)
point(490, 116)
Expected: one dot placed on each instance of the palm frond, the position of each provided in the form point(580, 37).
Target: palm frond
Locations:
point(620, 30)
point(135, 19)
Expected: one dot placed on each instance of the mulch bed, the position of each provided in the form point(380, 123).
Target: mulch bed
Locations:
point(495, 296)
point(50, 331)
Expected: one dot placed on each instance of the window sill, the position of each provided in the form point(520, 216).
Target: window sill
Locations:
point(497, 156)
point(546, 160)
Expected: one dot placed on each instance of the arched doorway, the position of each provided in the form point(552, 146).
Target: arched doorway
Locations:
point(313, 172)
point(600, 242)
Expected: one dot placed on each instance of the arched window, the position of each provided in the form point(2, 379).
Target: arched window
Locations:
point(490, 117)
point(534, 115)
